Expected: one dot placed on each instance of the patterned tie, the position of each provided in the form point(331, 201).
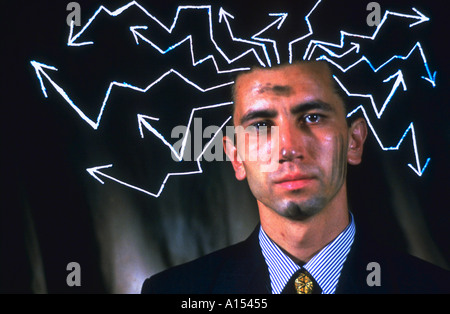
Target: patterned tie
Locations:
point(302, 283)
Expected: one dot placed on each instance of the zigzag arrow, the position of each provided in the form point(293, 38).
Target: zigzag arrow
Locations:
point(39, 67)
point(136, 34)
point(310, 32)
point(224, 15)
point(417, 168)
point(313, 44)
point(399, 80)
point(431, 77)
point(280, 20)
point(142, 120)
point(95, 171)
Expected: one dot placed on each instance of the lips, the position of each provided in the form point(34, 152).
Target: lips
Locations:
point(294, 182)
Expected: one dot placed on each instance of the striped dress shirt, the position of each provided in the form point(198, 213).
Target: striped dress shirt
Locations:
point(325, 266)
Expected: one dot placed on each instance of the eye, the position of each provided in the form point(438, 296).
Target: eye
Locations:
point(312, 118)
point(261, 124)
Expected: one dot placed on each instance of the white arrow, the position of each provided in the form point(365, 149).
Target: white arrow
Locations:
point(135, 31)
point(279, 22)
point(224, 15)
point(72, 40)
point(431, 78)
point(399, 80)
point(417, 168)
point(310, 32)
point(39, 67)
point(95, 171)
point(355, 46)
point(421, 18)
point(142, 121)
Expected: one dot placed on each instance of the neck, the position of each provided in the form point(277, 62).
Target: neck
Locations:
point(302, 239)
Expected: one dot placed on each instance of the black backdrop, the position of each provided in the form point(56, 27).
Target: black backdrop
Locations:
point(53, 212)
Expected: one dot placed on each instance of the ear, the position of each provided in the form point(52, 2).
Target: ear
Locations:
point(357, 137)
point(231, 152)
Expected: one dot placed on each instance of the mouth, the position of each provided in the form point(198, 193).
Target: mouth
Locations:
point(294, 182)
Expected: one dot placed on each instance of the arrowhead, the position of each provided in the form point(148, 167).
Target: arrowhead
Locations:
point(71, 40)
point(419, 171)
point(95, 170)
point(135, 33)
point(282, 18)
point(38, 67)
point(224, 14)
point(431, 79)
point(356, 45)
point(422, 18)
point(39, 71)
point(142, 120)
point(399, 79)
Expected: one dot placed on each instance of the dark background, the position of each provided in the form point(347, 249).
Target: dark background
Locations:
point(53, 212)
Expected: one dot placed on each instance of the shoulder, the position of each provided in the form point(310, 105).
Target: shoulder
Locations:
point(373, 268)
point(207, 274)
point(191, 277)
point(409, 274)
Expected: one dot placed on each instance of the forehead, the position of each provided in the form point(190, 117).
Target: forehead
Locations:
point(301, 71)
point(299, 82)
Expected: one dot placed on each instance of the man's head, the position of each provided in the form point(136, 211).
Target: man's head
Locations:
point(314, 142)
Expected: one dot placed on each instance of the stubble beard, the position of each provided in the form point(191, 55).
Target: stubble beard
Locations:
point(298, 211)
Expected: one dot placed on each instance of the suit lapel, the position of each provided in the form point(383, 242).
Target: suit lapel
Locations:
point(353, 278)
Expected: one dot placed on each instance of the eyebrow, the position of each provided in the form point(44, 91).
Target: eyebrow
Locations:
point(298, 109)
point(258, 114)
point(312, 105)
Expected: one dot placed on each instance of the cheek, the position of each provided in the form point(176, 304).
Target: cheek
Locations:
point(339, 161)
point(330, 144)
point(320, 146)
point(260, 149)
point(268, 149)
point(256, 179)
point(330, 152)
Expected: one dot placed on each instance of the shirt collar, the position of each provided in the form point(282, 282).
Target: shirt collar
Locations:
point(325, 266)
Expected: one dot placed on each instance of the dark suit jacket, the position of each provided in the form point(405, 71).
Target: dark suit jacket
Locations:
point(241, 269)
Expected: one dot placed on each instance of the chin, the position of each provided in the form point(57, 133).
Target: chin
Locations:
point(300, 210)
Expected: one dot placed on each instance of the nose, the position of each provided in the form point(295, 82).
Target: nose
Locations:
point(291, 143)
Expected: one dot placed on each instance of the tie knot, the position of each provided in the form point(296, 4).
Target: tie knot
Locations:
point(302, 283)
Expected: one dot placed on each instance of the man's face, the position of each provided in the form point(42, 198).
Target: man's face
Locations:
point(314, 142)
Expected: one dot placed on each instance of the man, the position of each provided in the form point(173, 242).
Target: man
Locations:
point(307, 241)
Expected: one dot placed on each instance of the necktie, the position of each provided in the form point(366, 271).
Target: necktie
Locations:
point(302, 283)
